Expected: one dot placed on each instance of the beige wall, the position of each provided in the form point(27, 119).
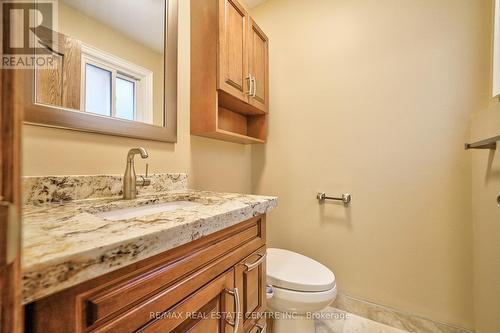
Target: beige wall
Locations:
point(92, 32)
point(373, 98)
point(211, 164)
point(486, 213)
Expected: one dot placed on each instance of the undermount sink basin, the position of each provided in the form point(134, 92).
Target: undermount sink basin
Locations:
point(130, 213)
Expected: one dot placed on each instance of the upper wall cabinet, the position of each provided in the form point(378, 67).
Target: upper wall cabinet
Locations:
point(229, 73)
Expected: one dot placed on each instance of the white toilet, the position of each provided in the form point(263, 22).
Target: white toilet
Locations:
point(299, 286)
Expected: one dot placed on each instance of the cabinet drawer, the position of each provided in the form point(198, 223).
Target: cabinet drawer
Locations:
point(102, 304)
point(200, 312)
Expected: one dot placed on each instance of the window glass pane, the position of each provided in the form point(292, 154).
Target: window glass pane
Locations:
point(125, 99)
point(97, 90)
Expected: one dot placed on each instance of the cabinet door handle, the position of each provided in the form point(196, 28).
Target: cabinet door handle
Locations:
point(254, 87)
point(257, 262)
point(250, 85)
point(235, 322)
point(261, 328)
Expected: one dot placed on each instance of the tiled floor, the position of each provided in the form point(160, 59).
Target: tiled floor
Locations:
point(336, 321)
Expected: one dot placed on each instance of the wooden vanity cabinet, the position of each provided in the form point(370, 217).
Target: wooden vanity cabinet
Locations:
point(229, 73)
point(192, 288)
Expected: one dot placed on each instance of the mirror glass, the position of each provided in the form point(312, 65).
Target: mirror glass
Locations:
point(109, 59)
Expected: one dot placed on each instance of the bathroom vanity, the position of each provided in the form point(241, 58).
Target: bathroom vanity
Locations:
point(93, 262)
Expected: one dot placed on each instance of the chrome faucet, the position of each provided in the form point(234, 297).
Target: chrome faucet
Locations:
point(130, 180)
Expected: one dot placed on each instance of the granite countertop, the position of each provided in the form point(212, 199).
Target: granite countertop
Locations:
point(66, 243)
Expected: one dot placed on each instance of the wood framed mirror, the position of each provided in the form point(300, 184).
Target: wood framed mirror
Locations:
point(111, 68)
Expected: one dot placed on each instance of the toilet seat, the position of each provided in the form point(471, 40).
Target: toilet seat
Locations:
point(295, 272)
point(299, 301)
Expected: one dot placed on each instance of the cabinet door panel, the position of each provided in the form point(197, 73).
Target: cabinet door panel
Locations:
point(233, 60)
point(251, 292)
point(258, 66)
point(250, 279)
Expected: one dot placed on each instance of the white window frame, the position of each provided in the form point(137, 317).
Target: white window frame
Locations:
point(143, 78)
point(137, 115)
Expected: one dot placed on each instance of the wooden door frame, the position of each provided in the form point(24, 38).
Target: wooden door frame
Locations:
point(11, 320)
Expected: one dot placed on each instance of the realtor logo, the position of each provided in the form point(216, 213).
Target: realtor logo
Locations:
point(28, 34)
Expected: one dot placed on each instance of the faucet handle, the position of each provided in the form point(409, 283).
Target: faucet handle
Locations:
point(144, 180)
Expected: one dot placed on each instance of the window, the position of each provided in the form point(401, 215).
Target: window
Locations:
point(114, 87)
point(125, 98)
point(98, 90)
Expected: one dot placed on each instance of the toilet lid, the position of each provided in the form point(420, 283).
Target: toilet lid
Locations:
point(290, 270)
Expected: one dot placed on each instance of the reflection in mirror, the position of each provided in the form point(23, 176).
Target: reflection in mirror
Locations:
point(109, 59)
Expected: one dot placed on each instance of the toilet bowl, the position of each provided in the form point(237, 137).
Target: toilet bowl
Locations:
point(298, 287)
